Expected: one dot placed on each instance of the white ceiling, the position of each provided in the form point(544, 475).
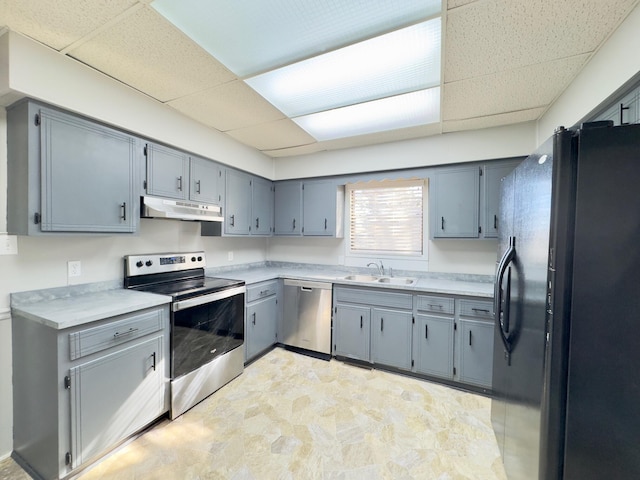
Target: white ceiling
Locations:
point(504, 62)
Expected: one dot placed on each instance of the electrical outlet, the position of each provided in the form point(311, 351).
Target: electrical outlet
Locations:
point(230, 256)
point(8, 244)
point(74, 268)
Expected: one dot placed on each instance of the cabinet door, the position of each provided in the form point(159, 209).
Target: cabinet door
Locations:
point(493, 175)
point(288, 208)
point(205, 179)
point(475, 352)
point(351, 332)
point(319, 208)
point(261, 326)
point(262, 207)
point(456, 203)
point(114, 396)
point(238, 203)
point(87, 173)
point(167, 172)
point(391, 338)
point(433, 345)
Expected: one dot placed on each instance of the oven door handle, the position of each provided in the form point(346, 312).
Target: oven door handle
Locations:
point(209, 298)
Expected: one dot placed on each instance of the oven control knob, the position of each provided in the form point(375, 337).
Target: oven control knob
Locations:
point(139, 263)
point(199, 259)
point(193, 259)
point(148, 263)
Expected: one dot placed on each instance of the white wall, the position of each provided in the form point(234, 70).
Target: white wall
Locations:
point(467, 146)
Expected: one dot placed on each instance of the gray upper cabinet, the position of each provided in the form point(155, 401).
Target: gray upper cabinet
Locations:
point(238, 203)
point(624, 111)
point(68, 174)
point(323, 205)
point(492, 179)
point(167, 172)
point(261, 207)
point(455, 198)
point(288, 208)
point(205, 181)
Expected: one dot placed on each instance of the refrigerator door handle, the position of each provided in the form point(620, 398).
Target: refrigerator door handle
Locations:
point(501, 316)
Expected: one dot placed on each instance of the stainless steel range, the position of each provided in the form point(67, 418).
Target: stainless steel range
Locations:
point(207, 322)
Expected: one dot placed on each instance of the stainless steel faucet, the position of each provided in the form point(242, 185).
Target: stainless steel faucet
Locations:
point(379, 266)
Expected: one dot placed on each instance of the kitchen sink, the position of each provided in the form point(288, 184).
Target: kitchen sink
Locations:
point(397, 280)
point(362, 278)
point(376, 279)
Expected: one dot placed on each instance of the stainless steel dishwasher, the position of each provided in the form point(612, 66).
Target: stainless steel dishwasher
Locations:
point(307, 315)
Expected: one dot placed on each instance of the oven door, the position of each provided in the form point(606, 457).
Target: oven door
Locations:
point(204, 328)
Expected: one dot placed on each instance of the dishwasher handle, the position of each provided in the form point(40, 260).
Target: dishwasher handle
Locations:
point(306, 285)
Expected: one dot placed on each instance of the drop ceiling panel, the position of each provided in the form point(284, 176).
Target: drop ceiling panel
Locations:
point(229, 106)
point(59, 23)
point(522, 89)
point(151, 55)
point(493, 120)
point(497, 35)
point(273, 135)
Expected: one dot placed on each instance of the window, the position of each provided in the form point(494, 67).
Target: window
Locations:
point(386, 218)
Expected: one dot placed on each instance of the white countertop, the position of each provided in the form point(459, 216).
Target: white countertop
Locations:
point(76, 310)
point(422, 285)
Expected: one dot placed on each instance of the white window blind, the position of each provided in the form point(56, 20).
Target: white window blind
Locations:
point(387, 218)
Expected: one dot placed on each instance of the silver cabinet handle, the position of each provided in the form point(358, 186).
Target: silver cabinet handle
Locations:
point(233, 220)
point(254, 318)
point(128, 332)
point(480, 310)
point(197, 186)
point(180, 183)
point(124, 211)
point(435, 305)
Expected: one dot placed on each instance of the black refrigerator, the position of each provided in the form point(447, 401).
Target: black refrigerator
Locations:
point(566, 369)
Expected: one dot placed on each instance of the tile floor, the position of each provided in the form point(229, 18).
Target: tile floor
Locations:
point(290, 416)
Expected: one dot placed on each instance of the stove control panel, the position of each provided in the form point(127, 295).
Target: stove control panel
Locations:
point(162, 263)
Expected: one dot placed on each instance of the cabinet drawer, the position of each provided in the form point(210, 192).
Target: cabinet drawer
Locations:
point(92, 340)
point(261, 290)
point(476, 308)
point(375, 297)
point(428, 303)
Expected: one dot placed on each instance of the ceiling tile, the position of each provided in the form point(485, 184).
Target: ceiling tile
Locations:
point(383, 137)
point(229, 106)
point(151, 55)
point(59, 23)
point(458, 3)
point(525, 88)
point(497, 35)
point(301, 150)
point(273, 135)
point(493, 120)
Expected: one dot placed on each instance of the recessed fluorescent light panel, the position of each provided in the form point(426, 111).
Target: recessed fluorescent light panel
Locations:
point(336, 68)
point(401, 111)
point(253, 36)
point(398, 62)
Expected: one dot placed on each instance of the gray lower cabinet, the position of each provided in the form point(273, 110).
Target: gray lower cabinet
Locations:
point(352, 332)
point(69, 174)
point(391, 338)
point(373, 325)
point(433, 345)
point(261, 318)
point(80, 391)
point(474, 342)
